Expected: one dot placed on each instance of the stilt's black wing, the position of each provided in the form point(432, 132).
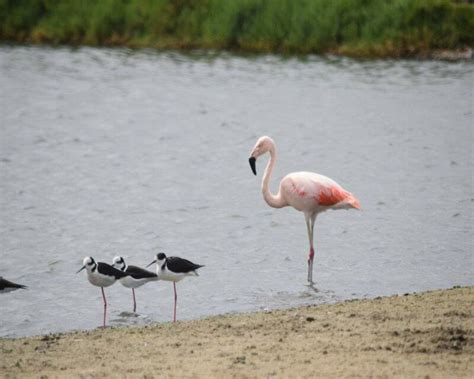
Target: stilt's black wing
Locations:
point(107, 269)
point(139, 273)
point(181, 265)
point(6, 284)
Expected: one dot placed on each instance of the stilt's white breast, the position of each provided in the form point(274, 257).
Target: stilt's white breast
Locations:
point(99, 280)
point(173, 276)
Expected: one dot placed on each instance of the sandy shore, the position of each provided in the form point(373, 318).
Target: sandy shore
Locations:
point(420, 335)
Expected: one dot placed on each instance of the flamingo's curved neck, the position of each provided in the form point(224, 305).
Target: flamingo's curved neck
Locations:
point(275, 201)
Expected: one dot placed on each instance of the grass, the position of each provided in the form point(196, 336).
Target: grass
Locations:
point(351, 27)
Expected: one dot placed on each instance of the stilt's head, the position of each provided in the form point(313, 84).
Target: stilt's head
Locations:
point(89, 264)
point(119, 263)
point(160, 260)
point(263, 145)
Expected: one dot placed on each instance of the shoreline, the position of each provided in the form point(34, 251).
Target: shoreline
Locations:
point(413, 335)
point(449, 55)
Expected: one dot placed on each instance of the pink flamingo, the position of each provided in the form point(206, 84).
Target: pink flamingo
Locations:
point(307, 192)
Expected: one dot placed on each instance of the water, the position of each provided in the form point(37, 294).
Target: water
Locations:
point(111, 151)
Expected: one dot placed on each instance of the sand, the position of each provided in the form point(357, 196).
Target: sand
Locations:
point(428, 335)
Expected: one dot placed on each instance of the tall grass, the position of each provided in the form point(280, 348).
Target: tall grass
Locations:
point(354, 27)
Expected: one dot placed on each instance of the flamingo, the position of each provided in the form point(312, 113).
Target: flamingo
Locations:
point(307, 192)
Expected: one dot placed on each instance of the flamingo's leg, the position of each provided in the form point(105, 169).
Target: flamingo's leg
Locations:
point(175, 300)
point(105, 304)
point(313, 219)
point(311, 251)
point(310, 226)
point(134, 301)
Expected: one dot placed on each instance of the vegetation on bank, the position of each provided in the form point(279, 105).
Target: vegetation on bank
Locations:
point(352, 27)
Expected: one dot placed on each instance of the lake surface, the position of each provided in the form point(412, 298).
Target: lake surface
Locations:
point(110, 152)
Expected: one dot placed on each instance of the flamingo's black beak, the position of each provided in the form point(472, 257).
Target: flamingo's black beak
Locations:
point(82, 268)
point(252, 165)
point(151, 263)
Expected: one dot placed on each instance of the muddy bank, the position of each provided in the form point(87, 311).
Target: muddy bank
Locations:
point(417, 335)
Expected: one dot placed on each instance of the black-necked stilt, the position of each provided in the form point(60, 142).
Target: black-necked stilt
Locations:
point(137, 276)
point(101, 275)
point(174, 269)
point(7, 286)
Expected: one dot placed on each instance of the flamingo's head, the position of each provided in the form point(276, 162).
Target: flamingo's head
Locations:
point(263, 145)
point(119, 263)
point(88, 264)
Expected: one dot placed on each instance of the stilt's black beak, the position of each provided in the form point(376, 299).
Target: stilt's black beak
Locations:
point(252, 165)
point(151, 263)
point(82, 268)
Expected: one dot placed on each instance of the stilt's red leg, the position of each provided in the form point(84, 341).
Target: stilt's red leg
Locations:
point(134, 301)
point(175, 300)
point(105, 304)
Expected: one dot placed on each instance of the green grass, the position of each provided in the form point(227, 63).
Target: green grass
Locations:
point(352, 27)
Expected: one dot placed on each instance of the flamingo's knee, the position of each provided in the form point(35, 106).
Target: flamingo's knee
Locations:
point(311, 255)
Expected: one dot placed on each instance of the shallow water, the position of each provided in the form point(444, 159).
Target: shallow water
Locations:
point(111, 151)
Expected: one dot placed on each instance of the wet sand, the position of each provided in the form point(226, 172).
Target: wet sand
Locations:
point(417, 335)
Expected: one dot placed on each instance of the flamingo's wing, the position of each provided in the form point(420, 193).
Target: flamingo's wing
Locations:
point(331, 194)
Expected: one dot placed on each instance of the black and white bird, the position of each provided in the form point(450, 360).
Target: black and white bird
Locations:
point(174, 269)
point(137, 276)
point(101, 275)
point(7, 286)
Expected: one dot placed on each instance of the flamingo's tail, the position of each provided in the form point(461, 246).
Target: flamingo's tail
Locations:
point(353, 202)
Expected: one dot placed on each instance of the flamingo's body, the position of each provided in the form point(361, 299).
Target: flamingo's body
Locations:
point(314, 193)
point(307, 192)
